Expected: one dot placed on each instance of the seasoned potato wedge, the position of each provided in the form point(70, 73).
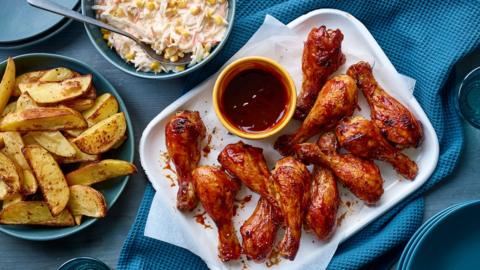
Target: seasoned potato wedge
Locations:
point(54, 142)
point(54, 92)
point(13, 148)
point(49, 177)
point(28, 77)
point(91, 93)
point(100, 171)
point(9, 176)
point(24, 102)
point(7, 84)
point(105, 106)
point(120, 142)
point(79, 104)
point(86, 201)
point(28, 139)
point(78, 219)
point(34, 213)
point(43, 119)
point(78, 157)
point(56, 75)
point(11, 107)
point(17, 197)
point(102, 136)
point(29, 185)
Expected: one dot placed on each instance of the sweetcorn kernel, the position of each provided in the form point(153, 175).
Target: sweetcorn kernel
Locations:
point(104, 31)
point(174, 58)
point(130, 55)
point(180, 68)
point(209, 13)
point(218, 19)
point(155, 65)
point(106, 36)
point(195, 10)
point(151, 5)
point(119, 13)
point(212, 2)
point(171, 11)
point(140, 3)
point(181, 3)
point(171, 3)
point(170, 51)
point(181, 30)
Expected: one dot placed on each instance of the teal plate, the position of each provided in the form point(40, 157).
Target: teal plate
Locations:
point(111, 189)
point(111, 56)
point(420, 232)
point(453, 242)
point(20, 21)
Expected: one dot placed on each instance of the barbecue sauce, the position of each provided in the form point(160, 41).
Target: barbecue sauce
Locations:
point(255, 100)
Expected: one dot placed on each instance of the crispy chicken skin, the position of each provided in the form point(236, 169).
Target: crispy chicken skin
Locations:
point(216, 191)
point(292, 183)
point(183, 134)
point(248, 164)
point(259, 231)
point(362, 177)
point(322, 56)
point(321, 214)
point(362, 138)
point(393, 119)
point(338, 98)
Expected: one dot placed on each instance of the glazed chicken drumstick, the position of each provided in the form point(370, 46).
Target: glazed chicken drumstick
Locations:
point(322, 56)
point(248, 164)
point(321, 214)
point(362, 138)
point(393, 119)
point(216, 191)
point(338, 98)
point(183, 134)
point(292, 183)
point(362, 177)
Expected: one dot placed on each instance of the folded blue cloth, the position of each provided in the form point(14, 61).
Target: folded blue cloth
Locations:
point(423, 39)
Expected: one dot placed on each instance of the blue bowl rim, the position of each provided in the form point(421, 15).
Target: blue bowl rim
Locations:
point(123, 181)
point(170, 75)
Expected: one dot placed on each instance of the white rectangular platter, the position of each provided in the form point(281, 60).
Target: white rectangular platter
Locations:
point(286, 48)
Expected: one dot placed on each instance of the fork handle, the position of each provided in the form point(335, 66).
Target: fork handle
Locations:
point(60, 10)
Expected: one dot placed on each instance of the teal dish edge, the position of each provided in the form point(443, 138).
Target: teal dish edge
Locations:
point(111, 189)
point(111, 55)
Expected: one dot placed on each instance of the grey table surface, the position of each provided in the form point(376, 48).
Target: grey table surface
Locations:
point(145, 99)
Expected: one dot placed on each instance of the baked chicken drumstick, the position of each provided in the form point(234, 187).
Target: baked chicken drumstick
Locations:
point(322, 56)
point(216, 191)
point(183, 134)
point(292, 183)
point(393, 119)
point(248, 164)
point(362, 138)
point(338, 98)
point(362, 177)
point(321, 214)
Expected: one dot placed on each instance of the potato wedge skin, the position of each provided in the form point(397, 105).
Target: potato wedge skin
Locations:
point(54, 92)
point(87, 201)
point(49, 176)
point(17, 197)
point(79, 104)
point(54, 142)
point(13, 148)
point(43, 119)
point(30, 184)
point(9, 176)
point(105, 106)
point(100, 171)
point(102, 136)
point(11, 107)
point(56, 75)
point(7, 84)
point(78, 157)
point(31, 77)
point(24, 102)
point(34, 213)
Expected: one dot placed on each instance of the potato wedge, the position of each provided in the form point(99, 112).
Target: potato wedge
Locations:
point(79, 104)
point(2, 142)
point(54, 142)
point(78, 219)
point(7, 84)
point(91, 93)
point(100, 171)
point(11, 107)
point(13, 148)
point(43, 119)
point(24, 102)
point(78, 157)
point(29, 185)
point(86, 201)
point(34, 213)
point(120, 142)
point(28, 139)
point(54, 92)
point(105, 106)
point(102, 136)
point(49, 177)
point(9, 176)
point(17, 197)
point(28, 77)
point(56, 75)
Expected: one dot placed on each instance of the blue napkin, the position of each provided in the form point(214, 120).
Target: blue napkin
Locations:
point(423, 39)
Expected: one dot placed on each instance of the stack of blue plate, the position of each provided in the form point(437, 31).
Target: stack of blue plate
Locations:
point(23, 25)
point(448, 240)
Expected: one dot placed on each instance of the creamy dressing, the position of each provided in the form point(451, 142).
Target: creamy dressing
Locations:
point(172, 27)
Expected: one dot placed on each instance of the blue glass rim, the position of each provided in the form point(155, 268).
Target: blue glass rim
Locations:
point(73, 261)
point(460, 92)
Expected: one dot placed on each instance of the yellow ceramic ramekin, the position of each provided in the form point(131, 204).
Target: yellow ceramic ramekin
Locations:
point(243, 64)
